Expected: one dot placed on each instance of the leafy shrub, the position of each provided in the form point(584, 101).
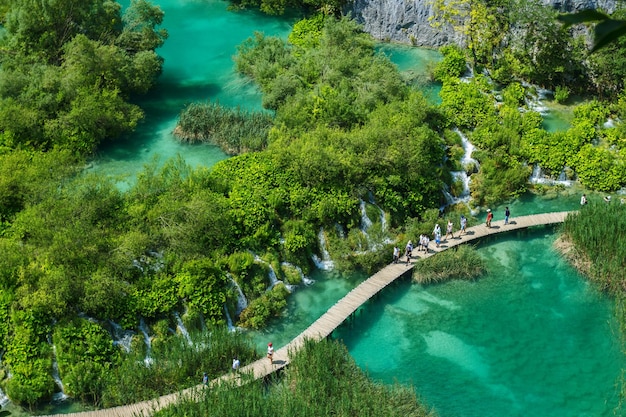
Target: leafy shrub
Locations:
point(453, 64)
point(561, 94)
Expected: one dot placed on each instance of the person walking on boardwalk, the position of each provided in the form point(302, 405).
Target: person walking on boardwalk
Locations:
point(489, 217)
point(270, 352)
point(205, 378)
point(463, 225)
point(583, 200)
point(449, 229)
point(437, 234)
point(507, 214)
point(408, 252)
point(236, 364)
point(396, 254)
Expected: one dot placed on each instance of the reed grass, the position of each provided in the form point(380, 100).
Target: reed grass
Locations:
point(598, 232)
point(463, 262)
point(235, 131)
point(321, 380)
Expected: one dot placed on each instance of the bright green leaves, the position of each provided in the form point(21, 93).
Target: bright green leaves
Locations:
point(453, 63)
point(140, 32)
point(204, 287)
point(335, 84)
point(69, 68)
point(85, 355)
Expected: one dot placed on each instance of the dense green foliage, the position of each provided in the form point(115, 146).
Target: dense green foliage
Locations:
point(68, 67)
point(322, 380)
point(510, 140)
point(461, 263)
point(180, 239)
point(522, 39)
point(234, 130)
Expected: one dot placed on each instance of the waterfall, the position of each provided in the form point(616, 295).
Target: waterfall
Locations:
point(325, 263)
point(272, 275)
point(469, 148)
point(469, 165)
point(4, 400)
point(229, 320)
point(58, 396)
point(305, 280)
point(609, 123)
point(120, 336)
point(538, 177)
point(242, 302)
point(143, 328)
point(366, 223)
point(180, 326)
point(535, 101)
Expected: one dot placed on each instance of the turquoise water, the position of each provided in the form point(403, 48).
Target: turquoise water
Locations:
point(415, 64)
point(532, 338)
point(203, 37)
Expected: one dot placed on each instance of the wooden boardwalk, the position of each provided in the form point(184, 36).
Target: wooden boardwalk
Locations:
point(330, 320)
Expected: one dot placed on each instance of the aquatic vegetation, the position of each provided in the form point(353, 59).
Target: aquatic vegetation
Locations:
point(463, 262)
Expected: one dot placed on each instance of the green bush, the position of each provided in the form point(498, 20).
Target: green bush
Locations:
point(561, 94)
point(453, 64)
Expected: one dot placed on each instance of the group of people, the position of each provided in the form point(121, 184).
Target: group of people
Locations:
point(424, 239)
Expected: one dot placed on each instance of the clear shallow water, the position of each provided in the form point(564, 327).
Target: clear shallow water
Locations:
point(530, 339)
point(203, 37)
point(305, 305)
point(415, 64)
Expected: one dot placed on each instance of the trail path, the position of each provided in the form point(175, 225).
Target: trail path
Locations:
point(330, 320)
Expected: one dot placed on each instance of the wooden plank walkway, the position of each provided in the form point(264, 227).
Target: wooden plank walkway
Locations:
point(330, 320)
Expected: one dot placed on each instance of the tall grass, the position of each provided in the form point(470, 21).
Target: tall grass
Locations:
point(322, 380)
point(234, 130)
point(176, 364)
point(598, 232)
point(463, 262)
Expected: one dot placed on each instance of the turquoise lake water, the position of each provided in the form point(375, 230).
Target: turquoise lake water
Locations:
point(530, 338)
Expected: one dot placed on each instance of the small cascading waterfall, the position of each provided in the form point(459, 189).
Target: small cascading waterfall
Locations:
point(229, 320)
point(120, 336)
point(305, 280)
point(535, 101)
point(272, 275)
point(143, 328)
point(538, 177)
point(366, 223)
point(56, 376)
point(4, 400)
point(242, 301)
point(469, 165)
point(180, 326)
point(325, 263)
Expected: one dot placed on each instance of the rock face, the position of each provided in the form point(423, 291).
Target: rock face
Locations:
point(407, 21)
